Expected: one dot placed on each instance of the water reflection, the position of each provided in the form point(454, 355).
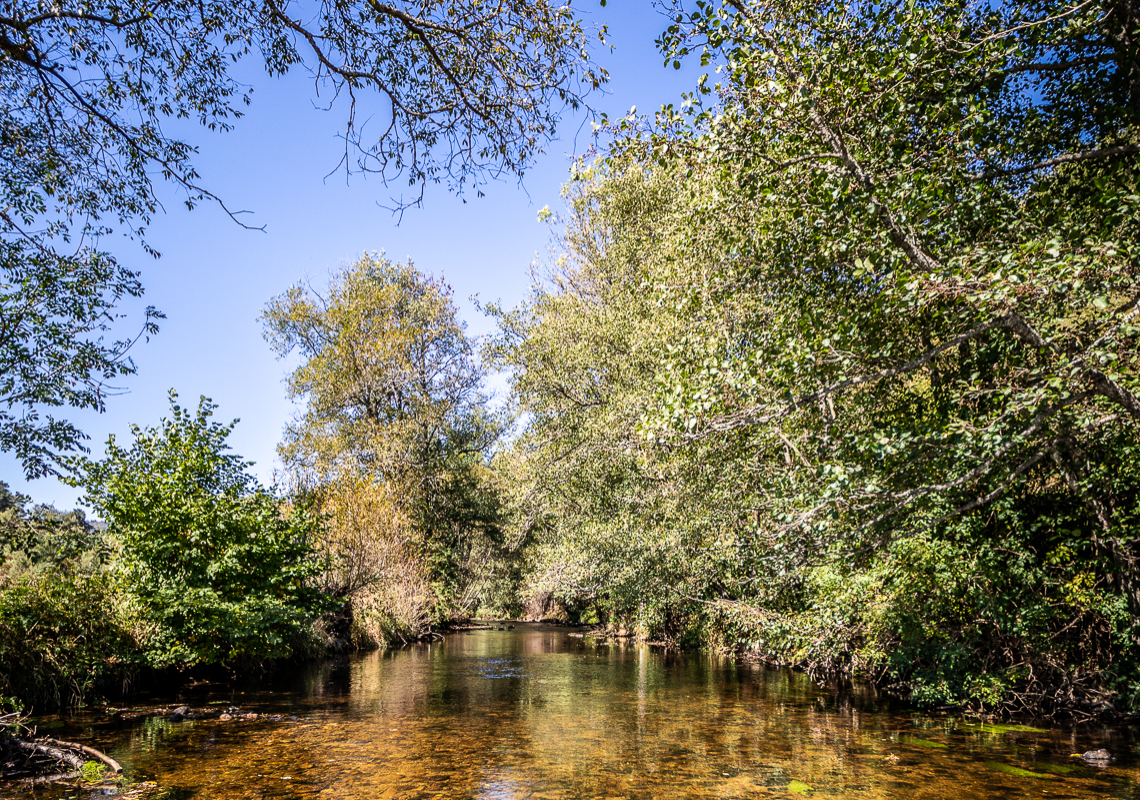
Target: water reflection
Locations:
point(535, 713)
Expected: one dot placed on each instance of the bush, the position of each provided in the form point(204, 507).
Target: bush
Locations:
point(61, 637)
point(213, 566)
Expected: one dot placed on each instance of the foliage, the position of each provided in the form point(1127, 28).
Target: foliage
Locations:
point(943, 251)
point(61, 638)
point(55, 311)
point(611, 519)
point(372, 552)
point(699, 459)
point(457, 92)
point(211, 567)
point(43, 538)
point(393, 439)
point(924, 305)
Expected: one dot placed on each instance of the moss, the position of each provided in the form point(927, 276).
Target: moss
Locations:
point(92, 772)
point(984, 728)
point(1017, 772)
point(921, 742)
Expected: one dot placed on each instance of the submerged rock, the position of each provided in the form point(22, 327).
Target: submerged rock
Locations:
point(1101, 756)
point(179, 714)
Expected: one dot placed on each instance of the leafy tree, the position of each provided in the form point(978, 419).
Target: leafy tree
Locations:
point(647, 490)
point(43, 538)
point(945, 199)
point(393, 401)
point(892, 309)
point(457, 92)
point(61, 637)
point(214, 567)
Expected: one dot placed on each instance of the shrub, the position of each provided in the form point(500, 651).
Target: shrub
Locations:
point(215, 567)
point(61, 637)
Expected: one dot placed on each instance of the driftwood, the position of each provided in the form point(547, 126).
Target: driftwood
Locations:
point(98, 755)
point(69, 757)
point(58, 752)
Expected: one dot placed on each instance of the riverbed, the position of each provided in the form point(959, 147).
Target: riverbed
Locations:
point(541, 713)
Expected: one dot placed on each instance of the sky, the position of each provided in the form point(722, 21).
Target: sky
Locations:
point(214, 277)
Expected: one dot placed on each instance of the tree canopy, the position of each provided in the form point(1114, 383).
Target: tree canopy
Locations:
point(435, 92)
point(867, 304)
point(395, 434)
point(211, 566)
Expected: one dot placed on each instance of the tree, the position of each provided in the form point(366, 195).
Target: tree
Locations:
point(611, 523)
point(214, 567)
point(883, 326)
point(949, 199)
point(455, 93)
point(60, 635)
point(917, 317)
point(42, 538)
point(393, 401)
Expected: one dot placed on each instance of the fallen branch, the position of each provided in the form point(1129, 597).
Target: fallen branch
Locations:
point(91, 751)
point(70, 753)
point(54, 753)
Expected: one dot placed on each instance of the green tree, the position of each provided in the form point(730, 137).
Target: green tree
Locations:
point(613, 522)
point(675, 471)
point(42, 538)
point(61, 636)
point(457, 92)
point(901, 305)
point(946, 202)
point(393, 402)
point(213, 567)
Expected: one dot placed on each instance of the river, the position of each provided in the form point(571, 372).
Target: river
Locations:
point(538, 712)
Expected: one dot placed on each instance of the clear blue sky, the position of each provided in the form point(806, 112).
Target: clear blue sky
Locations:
point(214, 277)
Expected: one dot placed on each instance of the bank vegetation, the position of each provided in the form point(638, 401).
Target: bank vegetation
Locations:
point(834, 366)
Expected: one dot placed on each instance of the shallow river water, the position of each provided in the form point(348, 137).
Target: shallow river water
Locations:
point(537, 712)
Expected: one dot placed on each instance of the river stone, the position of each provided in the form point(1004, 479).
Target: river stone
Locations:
point(1101, 756)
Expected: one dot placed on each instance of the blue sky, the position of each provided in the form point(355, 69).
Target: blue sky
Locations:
point(214, 277)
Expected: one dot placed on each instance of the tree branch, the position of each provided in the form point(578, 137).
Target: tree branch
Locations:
point(1068, 158)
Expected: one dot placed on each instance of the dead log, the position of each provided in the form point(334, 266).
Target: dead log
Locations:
point(98, 755)
point(70, 753)
point(33, 749)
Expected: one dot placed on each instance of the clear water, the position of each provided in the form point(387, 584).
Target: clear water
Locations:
point(539, 713)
